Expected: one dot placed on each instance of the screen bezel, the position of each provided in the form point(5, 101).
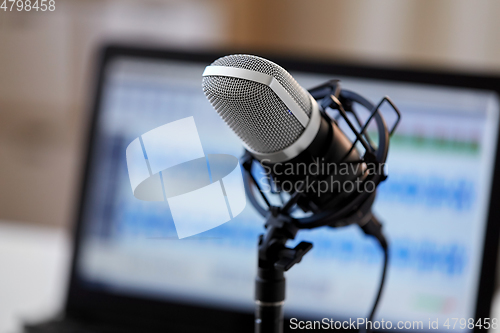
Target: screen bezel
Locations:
point(99, 307)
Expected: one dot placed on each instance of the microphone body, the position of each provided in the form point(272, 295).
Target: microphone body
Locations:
point(321, 172)
point(284, 128)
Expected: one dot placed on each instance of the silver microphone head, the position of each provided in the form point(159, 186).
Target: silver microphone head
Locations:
point(263, 104)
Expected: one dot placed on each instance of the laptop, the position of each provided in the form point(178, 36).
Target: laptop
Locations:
point(131, 272)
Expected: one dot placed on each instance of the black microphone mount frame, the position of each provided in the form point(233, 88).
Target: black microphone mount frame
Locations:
point(274, 257)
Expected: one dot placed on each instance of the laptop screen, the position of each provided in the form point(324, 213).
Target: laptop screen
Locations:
point(433, 205)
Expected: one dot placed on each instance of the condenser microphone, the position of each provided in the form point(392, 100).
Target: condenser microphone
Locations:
point(280, 124)
point(283, 127)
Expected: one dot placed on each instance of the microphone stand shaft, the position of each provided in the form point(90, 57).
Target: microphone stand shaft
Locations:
point(269, 317)
point(269, 300)
point(274, 259)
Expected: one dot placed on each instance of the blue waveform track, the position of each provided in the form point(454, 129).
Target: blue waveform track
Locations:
point(422, 256)
point(432, 192)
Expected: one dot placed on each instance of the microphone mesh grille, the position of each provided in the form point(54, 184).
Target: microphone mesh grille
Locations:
point(252, 110)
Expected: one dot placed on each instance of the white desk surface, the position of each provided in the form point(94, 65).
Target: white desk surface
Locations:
point(34, 266)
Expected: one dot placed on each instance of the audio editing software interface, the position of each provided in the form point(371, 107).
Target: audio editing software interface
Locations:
point(433, 206)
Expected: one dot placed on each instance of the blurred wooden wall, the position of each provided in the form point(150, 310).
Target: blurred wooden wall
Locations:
point(456, 34)
point(46, 64)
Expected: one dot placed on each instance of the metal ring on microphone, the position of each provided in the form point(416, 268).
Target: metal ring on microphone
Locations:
point(301, 144)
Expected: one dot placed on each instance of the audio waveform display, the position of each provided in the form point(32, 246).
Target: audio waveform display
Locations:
point(438, 144)
point(417, 255)
point(432, 192)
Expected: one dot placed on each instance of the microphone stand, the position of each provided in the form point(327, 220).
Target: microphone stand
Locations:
point(274, 259)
